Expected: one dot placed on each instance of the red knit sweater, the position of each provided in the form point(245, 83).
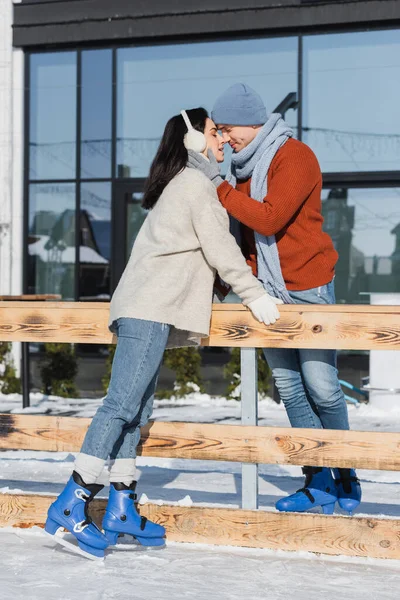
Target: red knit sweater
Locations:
point(291, 211)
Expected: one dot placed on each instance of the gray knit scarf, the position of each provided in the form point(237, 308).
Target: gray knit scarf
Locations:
point(254, 161)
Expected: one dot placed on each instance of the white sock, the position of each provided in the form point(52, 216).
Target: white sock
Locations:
point(122, 470)
point(89, 467)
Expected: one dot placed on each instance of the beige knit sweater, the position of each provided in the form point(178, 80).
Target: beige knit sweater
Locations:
point(170, 274)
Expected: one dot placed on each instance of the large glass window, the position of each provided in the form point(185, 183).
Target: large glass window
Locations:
point(96, 114)
point(95, 241)
point(156, 82)
point(51, 239)
point(365, 227)
point(52, 138)
point(350, 117)
point(350, 102)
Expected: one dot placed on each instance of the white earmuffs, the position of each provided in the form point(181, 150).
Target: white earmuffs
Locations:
point(193, 140)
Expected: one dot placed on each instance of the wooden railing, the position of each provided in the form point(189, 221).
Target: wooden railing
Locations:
point(300, 326)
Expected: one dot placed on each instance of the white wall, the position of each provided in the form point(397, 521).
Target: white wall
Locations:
point(11, 154)
point(11, 160)
point(5, 144)
point(17, 208)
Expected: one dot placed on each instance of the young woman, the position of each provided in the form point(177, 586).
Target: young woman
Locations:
point(162, 300)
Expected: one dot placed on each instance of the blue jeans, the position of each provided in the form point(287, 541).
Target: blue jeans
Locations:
point(115, 428)
point(307, 380)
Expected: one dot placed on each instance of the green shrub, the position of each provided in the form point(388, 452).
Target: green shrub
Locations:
point(232, 374)
point(58, 370)
point(9, 382)
point(185, 362)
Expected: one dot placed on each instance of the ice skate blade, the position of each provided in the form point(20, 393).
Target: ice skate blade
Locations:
point(125, 541)
point(59, 538)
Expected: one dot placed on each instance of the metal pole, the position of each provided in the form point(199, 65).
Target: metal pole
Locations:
point(25, 374)
point(249, 398)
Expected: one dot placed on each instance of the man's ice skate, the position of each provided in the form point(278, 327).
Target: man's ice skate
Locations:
point(70, 512)
point(121, 517)
point(319, 491)
point(348, 489)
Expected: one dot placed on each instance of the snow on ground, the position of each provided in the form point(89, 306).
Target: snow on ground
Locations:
point(31, 566)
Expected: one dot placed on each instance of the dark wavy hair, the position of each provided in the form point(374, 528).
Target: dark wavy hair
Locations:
point(171, 156)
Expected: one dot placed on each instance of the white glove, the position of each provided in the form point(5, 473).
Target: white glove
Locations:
point(264, 309)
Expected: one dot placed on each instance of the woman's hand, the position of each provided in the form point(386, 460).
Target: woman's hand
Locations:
point(210, 167)
point(264, 309)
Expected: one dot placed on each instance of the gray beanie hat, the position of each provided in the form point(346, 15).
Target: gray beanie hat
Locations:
point(239, 105)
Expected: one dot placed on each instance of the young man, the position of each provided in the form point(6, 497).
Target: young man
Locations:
point(273, 191)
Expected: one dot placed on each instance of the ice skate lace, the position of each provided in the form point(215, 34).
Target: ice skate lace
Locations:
point(79, 527)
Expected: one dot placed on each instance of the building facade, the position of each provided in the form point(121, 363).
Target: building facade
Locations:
point(91, 84)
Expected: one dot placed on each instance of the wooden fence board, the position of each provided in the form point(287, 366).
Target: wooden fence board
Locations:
point(42, 432)
point(69, 322)
point(300, 326)
point(236, 443)
point(319, 327)
point(356, 536)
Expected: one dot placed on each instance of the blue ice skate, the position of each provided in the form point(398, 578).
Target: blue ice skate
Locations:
point(70, 511)
point(319, 490)
point(348, 489)
point(121, 517)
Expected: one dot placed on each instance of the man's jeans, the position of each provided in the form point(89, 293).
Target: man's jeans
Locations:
point(307, 380)
point(115, 428)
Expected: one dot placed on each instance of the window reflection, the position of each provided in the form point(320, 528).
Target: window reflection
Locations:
point(156, 82)
point(95, 241)
point(135, 216)
point(350, 101)
point(52, 142)
point(96, 113)
point(51, 239)
point(365, 227)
